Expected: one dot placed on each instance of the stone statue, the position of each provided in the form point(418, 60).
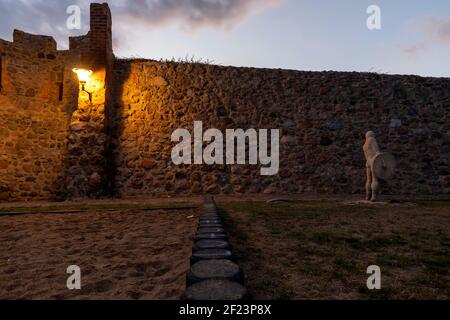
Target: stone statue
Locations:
point(379, 166)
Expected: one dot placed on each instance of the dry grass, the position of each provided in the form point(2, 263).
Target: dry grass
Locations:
point(321, 250)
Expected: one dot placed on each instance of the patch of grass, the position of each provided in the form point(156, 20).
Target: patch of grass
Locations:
point(284, 294)
point(437, 264)
point(442, 204)
point(297, 235)
point(376, 243)
point(277, 232)
point(311, 269)
point(346, 264)
point(383, 294)
point(232, 227)
point(322, 238)
point(303, 250)
point(431, 280)
point(325, 240)
point(394, 261)
point(284, 210)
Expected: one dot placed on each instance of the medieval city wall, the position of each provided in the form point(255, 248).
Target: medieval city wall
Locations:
point(62, 140)
point(36, 99)
point(322, 116)
point(53, 136)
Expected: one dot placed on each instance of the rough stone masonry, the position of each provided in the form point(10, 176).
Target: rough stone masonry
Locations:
point(56, 144)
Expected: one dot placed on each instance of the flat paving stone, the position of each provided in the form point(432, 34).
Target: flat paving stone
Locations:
point(216, 290)
point(211, 236)
point(210, 225)
point(211, 254)
point(210, 220)
point(211, 216)
point(214, 269)
point(203, 219)
point(210, 230)
point(211, 244)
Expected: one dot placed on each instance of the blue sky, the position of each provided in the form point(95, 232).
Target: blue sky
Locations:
point(306, 35)
point(292, 34)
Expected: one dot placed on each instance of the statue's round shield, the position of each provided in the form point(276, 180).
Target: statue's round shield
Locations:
point(383, 166)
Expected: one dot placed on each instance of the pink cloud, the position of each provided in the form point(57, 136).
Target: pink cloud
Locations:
point(435, 32)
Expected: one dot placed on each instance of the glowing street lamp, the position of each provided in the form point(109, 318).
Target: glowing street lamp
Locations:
point(84, 76)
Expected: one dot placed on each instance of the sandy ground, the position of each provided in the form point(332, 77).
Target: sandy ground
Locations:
point(126, 254)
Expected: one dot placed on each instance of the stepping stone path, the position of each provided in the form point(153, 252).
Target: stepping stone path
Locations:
point(210, 222)
point(217, 290)
point(211, 244)
point(202, 230)
point(213, 275)
point(211, 254)
point(203, 225)
point(211, 236)
point(214, 269)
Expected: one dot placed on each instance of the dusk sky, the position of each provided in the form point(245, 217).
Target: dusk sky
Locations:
point(291, 34)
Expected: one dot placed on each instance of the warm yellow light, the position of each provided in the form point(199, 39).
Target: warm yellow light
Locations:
point(83, 74)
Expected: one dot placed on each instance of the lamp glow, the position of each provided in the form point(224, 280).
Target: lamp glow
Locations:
point(83, 77)
point(83, 74)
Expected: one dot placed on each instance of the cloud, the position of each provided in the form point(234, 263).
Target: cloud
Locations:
point(191, 13)
point(438, 29)
point(435, 32)
point(414, 49)
point(49, 16)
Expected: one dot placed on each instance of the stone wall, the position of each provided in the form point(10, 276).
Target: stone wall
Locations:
point(323, 117)
point(57, 141)
point(87, 164)
point(38, 93)
point(53, 135)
